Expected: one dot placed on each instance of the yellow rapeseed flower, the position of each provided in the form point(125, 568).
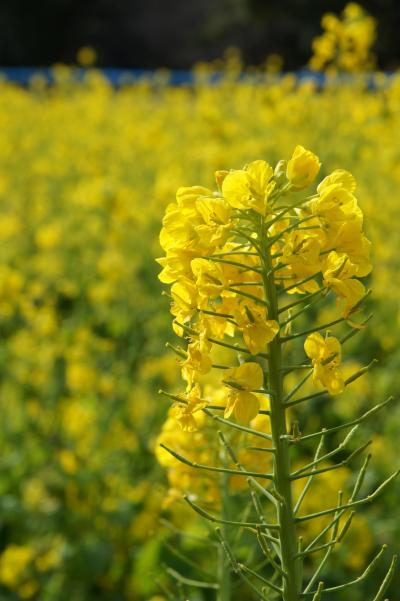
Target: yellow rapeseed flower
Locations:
point(14, 561)
point(325, 354)
point(302, 168)
point(249, 188)
point(241, 401)
point(184, 412)
point(338, 272)
point(256, 329)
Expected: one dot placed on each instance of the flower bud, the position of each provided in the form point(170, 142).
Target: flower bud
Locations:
point(302, 168)
point(280, 172)
point(220, 176)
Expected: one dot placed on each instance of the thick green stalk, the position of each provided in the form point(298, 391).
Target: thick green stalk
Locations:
point(281, 473)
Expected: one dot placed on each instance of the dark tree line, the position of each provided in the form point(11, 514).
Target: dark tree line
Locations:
point(176, 33)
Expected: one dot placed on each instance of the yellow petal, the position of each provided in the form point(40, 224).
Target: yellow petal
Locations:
point(314, 346)
point(339, 176)
point(230, 404)
point(247, 407)
point(260, 173)
point(302, 168)
point(258, 335)
point(236, 189)
point(248, 376)
point(333, 381)
point(352, 291)
point(332, 347)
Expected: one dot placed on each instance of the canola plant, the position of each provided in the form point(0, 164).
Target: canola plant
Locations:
point(86, 173)
point(235, 257)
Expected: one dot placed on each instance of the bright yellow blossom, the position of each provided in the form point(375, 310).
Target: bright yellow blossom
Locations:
point(184, 299)
point(301, 255)
point(243, 403)
point(339, 176)
point(211, 277)
point(14, 562)
point(216, 213)
point(180, 221)
point(184, 412)
point(336, 204)
point(176, 264)
point(302, 168)
point(256, 329)
point(198, 360)
point(349, 239)
point(249, 188)
point(338, 275)
point(325, 354)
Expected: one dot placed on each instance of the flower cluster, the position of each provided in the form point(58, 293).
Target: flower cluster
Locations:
point(221, 245)
point(245, 264)
point(346, 42)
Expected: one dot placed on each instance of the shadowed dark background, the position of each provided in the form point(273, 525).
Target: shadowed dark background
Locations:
point(176, 33)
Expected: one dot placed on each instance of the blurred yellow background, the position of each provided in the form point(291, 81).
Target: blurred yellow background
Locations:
point(86, 172)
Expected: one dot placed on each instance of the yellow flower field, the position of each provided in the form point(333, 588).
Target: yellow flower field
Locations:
point(86, 172)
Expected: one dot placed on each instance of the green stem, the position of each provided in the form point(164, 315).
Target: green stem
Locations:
point(224, 569)
point(281, 472)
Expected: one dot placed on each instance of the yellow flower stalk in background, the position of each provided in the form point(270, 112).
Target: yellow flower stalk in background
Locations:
point(346, 43)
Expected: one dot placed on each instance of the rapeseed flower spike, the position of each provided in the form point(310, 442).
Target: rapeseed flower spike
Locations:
point(236, 258)
point(80, 319)
point(345, 45)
